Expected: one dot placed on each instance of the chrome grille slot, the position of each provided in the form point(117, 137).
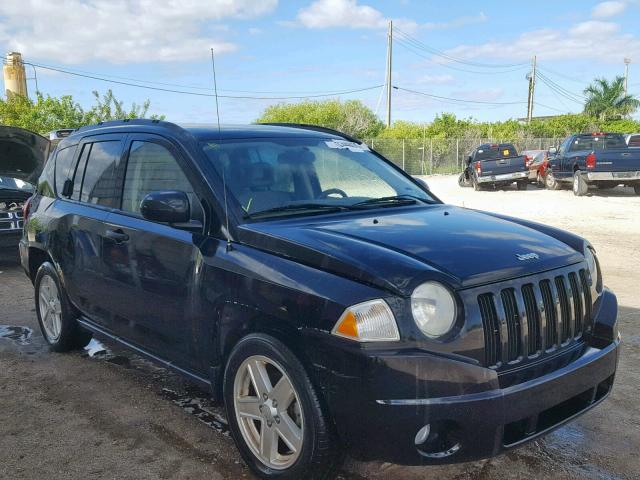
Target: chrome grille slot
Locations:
point(491, 328)
point(512, 317)
point(534, 334)
point(577, 305)
point(523, 321)
point(565, 317)
point(551, 333)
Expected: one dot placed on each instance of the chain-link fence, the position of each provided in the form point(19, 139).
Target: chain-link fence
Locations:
point(442, 155)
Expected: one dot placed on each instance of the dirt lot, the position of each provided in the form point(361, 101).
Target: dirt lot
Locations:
point(111, 415)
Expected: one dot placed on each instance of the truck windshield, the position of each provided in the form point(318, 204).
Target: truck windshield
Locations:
point(598, 142)
point(496, 152)
point(281, 176)
point(7, 183)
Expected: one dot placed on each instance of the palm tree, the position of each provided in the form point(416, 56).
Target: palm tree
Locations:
point(607, 100)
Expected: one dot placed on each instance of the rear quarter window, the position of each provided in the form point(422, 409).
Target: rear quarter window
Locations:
point(64, 166)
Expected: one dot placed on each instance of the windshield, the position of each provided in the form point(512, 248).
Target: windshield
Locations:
point(14, 184)
point(496, 152)
point(280, 176)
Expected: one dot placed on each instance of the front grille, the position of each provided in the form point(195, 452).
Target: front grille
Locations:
point(534, 318)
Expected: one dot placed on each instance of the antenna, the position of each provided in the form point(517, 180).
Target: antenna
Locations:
point(224, 180)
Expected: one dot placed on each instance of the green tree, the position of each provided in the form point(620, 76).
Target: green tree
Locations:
point(351, 117)
point(50, 113)
point(607, 100)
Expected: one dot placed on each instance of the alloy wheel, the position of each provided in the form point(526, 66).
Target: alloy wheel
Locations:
point(268, 412)
point(50, 307)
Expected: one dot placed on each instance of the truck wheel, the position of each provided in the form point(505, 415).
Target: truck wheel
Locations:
point(56, 316)
point(522, 185)
point(551, 182)
point(274, 412)
point(477, 186)
point(636, 188)
point(580, 187)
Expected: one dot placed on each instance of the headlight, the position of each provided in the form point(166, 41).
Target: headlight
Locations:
point(371, 321)
point(433, 308)
point(592, 265)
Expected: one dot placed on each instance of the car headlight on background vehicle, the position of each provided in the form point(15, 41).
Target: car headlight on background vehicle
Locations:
point(592, 265)
point(371, 321)
point(434, 309)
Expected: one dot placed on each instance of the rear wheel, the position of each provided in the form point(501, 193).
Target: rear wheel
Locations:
point(636, 188)
point(522, 185)
point(56, 316)
point(477, 186)
point(580, 187)
point(551, 182)
point(274, 412)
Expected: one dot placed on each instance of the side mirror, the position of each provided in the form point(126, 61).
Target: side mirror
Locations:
point(553, 150)
point(422, 183)
point(166, 206)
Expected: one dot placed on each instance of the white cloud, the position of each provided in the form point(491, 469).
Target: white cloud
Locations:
point(608, 9)
point(593, 40)
point(345, 14)
point(121, 31)
point(456, 22)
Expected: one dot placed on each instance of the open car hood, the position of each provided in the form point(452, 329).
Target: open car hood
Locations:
point(22, 153)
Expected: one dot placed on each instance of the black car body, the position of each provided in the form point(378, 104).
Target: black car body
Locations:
point(604, 160)
point(22, 153)
point(532, 340)
point(495, 165)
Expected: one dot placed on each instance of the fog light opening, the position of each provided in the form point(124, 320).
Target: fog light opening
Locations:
point(437, 441)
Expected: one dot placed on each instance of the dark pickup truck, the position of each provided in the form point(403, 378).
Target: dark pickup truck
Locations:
point(495, 165)
point(600, 159)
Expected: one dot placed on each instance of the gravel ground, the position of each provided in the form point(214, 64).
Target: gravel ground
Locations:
point(107, 414)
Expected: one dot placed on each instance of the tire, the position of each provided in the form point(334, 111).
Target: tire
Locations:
point(551, 182)
point(476, 186)
point(522, 185)
point(580, 187)
point(636, 188)
point(463, 181)
point(56, 316)
point(316, 457)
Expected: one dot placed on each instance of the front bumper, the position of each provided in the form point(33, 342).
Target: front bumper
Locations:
point(381, 402)
point(505, 177)
point(613, 176)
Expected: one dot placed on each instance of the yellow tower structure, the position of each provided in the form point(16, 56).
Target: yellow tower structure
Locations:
point(15, 78)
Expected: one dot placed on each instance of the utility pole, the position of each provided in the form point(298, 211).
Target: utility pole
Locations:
point(532, 88)
point(627, 61)
point(15, 78)
point(389, 86)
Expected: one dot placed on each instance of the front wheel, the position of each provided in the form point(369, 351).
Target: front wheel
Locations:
point(274, 413)
point(551, 182)
point(56, 316)
point(463, 181)
point(580, 187)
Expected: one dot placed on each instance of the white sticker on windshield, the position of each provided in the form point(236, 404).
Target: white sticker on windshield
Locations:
point(346, 144)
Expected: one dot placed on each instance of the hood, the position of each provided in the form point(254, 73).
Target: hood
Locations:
point(399, 248)
point(22, 154)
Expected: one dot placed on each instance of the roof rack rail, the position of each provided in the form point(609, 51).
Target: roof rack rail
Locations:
point(316, 128)
point(128, 121)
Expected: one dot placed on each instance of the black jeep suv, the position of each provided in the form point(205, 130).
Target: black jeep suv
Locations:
point(332, 301)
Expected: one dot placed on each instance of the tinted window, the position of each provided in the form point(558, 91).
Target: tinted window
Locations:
point(152, 167)
point(597, 142)
point(634, 141)
point(45, 184)
point(79, 173)
point(64, 167)
point(103, 175)
point(495, 152)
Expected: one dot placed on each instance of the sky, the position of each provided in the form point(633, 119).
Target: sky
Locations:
point(476, 52)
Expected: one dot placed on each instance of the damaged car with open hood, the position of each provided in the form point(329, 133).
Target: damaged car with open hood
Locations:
point(331, 301)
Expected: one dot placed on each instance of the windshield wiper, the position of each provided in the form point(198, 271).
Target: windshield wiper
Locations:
point(298, 207)
point(395, 200)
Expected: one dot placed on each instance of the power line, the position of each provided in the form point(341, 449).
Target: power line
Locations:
point(442, 54)
point(461, 100)
point(412, 48)
point(578, 98)
point(184, 92)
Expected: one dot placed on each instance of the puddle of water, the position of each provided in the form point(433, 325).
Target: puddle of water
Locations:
point(195, 406)
point(20, 335)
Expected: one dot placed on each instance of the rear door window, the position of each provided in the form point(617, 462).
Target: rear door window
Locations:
point(64, 167)
point(103, 175)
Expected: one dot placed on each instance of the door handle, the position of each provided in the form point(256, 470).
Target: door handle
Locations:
point(117, 236)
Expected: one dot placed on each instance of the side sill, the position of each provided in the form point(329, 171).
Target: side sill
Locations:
point(202, 382)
